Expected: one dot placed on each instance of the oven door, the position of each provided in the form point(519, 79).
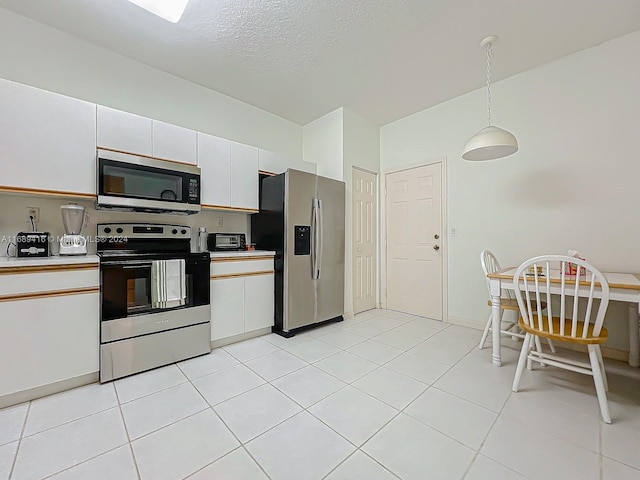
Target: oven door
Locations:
point(129, 182)
point(127, 308)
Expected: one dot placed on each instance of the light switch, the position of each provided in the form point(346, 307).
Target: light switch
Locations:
point(453, 231)
point(220, 221)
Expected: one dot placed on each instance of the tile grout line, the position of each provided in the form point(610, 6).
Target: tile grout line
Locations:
point(227, 427)
point(126, 431)
point(600, 459)
point(24, 426)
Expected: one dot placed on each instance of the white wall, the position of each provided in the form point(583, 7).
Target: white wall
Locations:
point(35, 54)
point(572, 185)
point(322, 144)
point(361, 149)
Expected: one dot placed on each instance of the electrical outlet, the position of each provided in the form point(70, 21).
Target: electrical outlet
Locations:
point(220, 221)
point(33, 212)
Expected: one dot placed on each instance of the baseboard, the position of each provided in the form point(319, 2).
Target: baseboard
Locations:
point(239, 338)
point(348, 315)
point(45, 390)
point(463, 322)
point(611, 353)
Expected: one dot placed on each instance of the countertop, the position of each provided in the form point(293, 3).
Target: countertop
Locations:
point(12, 262)
point(250, 253)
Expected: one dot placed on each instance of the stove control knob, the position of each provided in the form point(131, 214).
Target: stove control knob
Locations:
point(119, 230)
point(107, 230)
point(174, 231)
point(183, 231)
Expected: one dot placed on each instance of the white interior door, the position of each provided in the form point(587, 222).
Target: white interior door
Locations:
point(364, 240)
point(414, 257)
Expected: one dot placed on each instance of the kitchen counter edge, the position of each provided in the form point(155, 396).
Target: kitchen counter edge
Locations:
point(251, 253)
point(13, 262)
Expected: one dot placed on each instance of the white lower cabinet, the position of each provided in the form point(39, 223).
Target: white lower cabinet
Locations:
point(242, 296)
point(48, 340)
point(258, 302)
point(227, 307)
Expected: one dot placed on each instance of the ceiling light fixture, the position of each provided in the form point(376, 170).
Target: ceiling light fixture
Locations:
point(170, 10)
point(491, 142)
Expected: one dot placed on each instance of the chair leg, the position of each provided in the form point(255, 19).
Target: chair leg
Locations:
point(604, 372)
point(485, 333)
point(551, 345)
point(599, 382)
point(539, 349)
point(522, 361)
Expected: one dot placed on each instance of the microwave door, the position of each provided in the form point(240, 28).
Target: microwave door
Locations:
point(147, 184)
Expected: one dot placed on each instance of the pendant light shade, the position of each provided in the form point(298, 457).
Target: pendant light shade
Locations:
point(491, 142)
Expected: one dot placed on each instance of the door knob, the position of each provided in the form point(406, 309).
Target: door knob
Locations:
point(436, 247)
point(436, 236)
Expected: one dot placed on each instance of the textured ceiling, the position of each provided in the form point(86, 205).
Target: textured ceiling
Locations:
point(300, 59)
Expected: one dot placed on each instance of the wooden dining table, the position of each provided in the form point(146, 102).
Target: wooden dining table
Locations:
point(623, 287)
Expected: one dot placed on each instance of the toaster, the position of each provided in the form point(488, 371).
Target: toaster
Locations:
point(32, 244)
point(217, 242)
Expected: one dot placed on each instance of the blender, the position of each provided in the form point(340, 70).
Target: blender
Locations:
point(74, 217)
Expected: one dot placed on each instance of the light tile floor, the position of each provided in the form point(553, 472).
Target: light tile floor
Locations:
point(383, 396)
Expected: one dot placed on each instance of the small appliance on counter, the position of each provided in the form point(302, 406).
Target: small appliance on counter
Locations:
point(74, 217)
point(32, 244)
point(222, 242)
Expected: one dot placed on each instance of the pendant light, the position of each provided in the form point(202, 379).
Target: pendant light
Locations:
point(491, 142)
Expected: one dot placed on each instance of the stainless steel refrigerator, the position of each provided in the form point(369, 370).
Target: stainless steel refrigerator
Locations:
point(301, 218)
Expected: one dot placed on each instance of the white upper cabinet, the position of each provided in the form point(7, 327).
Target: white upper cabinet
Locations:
point(171, 142)
point(47, 140)
point(244, 176)
point(214, 160)
point(272, 162)
point(124, 131)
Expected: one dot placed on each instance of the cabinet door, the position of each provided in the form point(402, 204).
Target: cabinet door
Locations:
point(214, 160)
point(48, 340)
point(227, 307)
point(272, 162)
point(124, 131)
point(172, 142)
point(47, 141)
point(259, 298)
point(244, 176)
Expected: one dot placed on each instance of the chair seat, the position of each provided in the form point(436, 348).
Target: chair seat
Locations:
point(512, 304)
point(589, 339)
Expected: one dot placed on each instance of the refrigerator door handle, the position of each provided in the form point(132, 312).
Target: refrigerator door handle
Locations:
point(315, 249)
point(320, 237)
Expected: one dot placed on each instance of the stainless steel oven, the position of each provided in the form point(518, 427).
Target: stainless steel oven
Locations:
point(154, 298)
point(134, 183)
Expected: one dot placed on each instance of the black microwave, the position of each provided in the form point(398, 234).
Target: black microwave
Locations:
point(129, 182)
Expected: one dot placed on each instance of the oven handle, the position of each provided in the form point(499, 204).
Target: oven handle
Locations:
point(126, 264)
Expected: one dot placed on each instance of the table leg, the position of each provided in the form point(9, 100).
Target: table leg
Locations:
point(496, 357)
point(634, 336)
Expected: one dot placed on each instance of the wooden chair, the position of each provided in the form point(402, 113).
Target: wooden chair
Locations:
point(582, 326)
point(508, 303)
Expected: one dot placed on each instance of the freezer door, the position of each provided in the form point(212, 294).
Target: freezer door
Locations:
point(330, 284)
point(299, 287)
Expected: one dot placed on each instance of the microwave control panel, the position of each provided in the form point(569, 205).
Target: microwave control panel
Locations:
point(194, 190)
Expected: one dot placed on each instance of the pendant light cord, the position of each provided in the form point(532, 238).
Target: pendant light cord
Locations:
point(489, 58)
